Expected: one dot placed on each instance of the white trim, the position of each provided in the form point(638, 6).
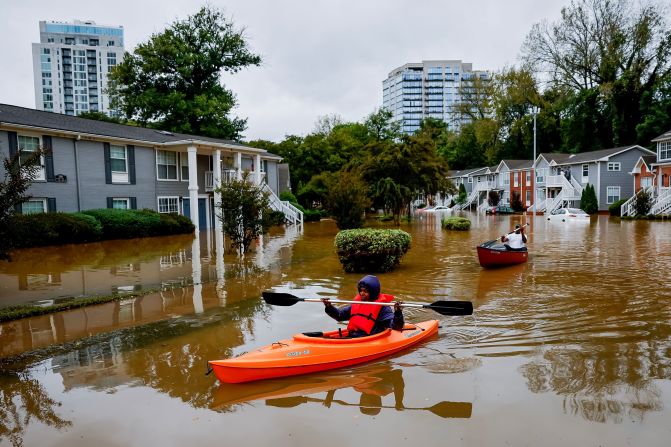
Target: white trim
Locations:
point(615, 165)
point(120, 176)
point(125, 199)
point(158, 204)
point(42, 201)
point(41, 172)
point(183, 156)
point(619, 194)
point(176, 179)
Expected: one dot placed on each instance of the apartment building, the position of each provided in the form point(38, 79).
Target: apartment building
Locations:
point(429, 89)
point(71, 63)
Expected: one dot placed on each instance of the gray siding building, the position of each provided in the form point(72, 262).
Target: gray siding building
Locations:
point(94, 164)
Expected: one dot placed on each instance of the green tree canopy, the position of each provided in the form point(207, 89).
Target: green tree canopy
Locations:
point(173, 81)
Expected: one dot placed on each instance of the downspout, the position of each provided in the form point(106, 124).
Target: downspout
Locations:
point(79, 205)
point(598, 186)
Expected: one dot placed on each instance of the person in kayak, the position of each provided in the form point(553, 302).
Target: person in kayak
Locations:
point(515, 240)
point(368, 319)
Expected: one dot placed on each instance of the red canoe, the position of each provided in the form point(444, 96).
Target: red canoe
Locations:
point(495, 254)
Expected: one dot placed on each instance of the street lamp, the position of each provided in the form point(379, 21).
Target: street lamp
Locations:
point(534, 111)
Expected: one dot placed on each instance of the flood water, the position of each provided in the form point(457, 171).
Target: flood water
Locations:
point(571, 348)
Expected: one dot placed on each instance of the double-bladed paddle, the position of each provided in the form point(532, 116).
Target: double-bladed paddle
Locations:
point(442, 307)
point(443, 409)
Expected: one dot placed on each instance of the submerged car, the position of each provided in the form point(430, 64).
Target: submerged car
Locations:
point(569, 215)
point(438, 209)
point(501, 209)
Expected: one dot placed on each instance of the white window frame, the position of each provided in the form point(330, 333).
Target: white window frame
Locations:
point(646, 181)
point(119, 176)
point(585, 168)
point(664, 150)
point(516, 179)
point(610, 194)
point(41, 171)
point(167, 205)
point(528, 178)
point(176, 165)
point(614, 166)
point(528, 197)
point(183, 163)
point(120, 199)
point(470, 179)
point(33, 200)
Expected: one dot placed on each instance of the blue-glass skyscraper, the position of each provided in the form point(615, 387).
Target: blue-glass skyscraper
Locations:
point(416, 91)
point(70, 66)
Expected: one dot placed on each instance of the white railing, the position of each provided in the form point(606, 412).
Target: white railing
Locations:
point(627, 208)
point(540, 206)
point(485, 186)
point(470, 199)
point(554, 181)
point(662, 204)
point(291, 213)
point(483, 206)
point(227, 176)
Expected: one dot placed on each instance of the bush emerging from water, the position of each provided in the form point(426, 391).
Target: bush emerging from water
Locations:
point(615, 208)
point(370, 250)
point(128, 224)
point(37, 230)
point(456, 223)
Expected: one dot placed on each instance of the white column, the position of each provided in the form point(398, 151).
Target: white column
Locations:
point(196, 275)
point(193, 186)
point(238, 164)
point(257, 169)
point(217, 184)
point(221, 274)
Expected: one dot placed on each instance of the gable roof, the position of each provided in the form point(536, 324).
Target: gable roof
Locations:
point(42, 120)
point(664, 136)
point(466, 172)
point(591, 156)
point(514, 165)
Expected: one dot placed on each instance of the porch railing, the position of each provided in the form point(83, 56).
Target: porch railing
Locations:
point(662, 203)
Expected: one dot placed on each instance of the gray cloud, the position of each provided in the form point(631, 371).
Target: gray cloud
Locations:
point(320, 57)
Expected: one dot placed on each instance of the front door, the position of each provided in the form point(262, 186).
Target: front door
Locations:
point(202, 211)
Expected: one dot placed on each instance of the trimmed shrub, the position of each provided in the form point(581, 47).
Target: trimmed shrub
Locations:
point(127, 224)
point(273, 218)
point(36, 230)
point(456, 223)
point(371, 250)
point(289, 197)
point(312, 215)
point(615, 208)
point(643, 203)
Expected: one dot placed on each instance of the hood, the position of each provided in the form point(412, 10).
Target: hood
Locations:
point(371, 283)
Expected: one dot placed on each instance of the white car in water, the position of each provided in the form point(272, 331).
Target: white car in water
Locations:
point(569, 215)
point(438, 209)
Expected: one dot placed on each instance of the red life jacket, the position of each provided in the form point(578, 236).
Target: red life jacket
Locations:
point(363, 316)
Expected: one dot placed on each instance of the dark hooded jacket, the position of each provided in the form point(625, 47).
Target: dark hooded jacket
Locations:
point(387, 318)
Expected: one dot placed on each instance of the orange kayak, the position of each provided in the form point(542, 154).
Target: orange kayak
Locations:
point(312, 352)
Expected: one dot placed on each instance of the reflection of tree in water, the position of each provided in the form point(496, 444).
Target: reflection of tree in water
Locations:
point(600, 387)
point(23, 399)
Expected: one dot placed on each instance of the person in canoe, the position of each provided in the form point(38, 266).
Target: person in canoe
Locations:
point(366, 319)
point(515, 240)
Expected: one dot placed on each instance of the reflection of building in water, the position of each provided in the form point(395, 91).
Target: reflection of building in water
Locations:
point(99, 366)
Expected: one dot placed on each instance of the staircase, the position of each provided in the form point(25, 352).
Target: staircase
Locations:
point(662, 204)
point(291, 213)
point(627, 208)
point(471, 198)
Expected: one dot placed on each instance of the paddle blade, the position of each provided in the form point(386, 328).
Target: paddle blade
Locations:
point(452, 409)
point(280, 299)
point(452, 307)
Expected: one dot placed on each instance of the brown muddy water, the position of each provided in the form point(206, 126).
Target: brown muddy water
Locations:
point(572, 348)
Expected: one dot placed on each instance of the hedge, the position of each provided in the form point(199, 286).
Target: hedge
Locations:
point(615, 208)
point(456, 223)
point(128, 224)
point(371, 250)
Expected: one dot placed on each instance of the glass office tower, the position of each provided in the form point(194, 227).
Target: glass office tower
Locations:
point(70, 66)
point(416, 91)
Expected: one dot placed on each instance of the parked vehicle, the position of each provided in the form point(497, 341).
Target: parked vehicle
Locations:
point(500, 209)
point(438, 209)
point(569, 215)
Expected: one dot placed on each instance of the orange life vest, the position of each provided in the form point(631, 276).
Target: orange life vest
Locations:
point(363, 316)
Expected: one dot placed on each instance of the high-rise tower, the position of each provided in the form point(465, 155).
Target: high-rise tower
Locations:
point(70, 66)
point(429, 89)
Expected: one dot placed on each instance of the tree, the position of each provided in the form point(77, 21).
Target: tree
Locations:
point(242, 206)
point(100, 116)
point(19, 170)
point(516, 201)
point(172, 82)
point(493, 198)
point(588, 200)
point(462, 196)
point(617, 50)
point(347, 200)
point(642, 203)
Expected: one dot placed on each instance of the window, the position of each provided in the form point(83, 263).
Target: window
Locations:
point(612, 194)
point(34, 206)
point(528, 178)
point(528, 197)
point(184, 165)
point(119, 164)
point(585, 171)
point(470, 179)
point(664, 150)
point(120, 204)
point(168, 204)
point(27, 146)
point(614, 166)
point(506, 179)
point(166, 165)
point(646, 182)
point(516, 179)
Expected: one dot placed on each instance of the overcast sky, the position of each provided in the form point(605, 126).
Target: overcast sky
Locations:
point(319, 57)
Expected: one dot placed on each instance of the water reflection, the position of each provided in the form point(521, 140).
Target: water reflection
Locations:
point(23, 401)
